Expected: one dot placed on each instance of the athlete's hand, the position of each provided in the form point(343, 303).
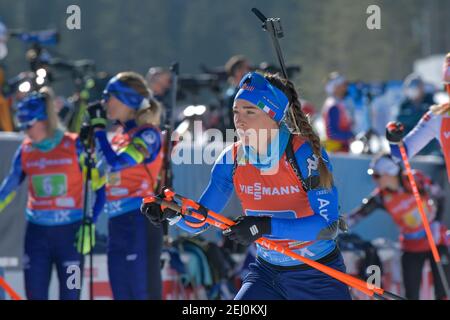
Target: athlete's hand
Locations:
point(248, 229)
point(395, 132)
point(97, 115)
point(155, 214)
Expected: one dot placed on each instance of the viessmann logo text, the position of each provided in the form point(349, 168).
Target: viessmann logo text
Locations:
point(42, 163)
point(257, 190)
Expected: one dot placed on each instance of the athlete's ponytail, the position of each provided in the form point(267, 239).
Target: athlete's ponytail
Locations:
point(150, 115)
point(299, 123)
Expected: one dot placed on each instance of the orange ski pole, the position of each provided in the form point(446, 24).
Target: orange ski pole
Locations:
point(425, 222)
point(9, 290)
point(224, 223)
point(363, 287)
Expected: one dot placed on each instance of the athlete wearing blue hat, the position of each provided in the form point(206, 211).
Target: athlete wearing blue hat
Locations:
point(30, 110)
point(54, 163)
point(134, 158)
point(287, 194)
point(125, 94)
point(256, 89)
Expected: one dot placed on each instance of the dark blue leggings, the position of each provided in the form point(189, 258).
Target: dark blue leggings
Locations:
point(46, 246)
point(134, 252)
point(266, 283)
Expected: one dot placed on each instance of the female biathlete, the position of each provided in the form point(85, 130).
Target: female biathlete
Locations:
point(134, 159)
point(284, 182)
point(435, 124)
point(54, 163)
point(394, 195)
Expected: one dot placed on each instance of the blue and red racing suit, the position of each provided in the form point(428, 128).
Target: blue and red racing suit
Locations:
point(338, 125)
point(300, 210)
point(54, 209)
point(134, 159)
point(401, 206)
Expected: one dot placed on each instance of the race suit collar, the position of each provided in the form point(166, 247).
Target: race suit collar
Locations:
point(48, 144)
point(275, 150)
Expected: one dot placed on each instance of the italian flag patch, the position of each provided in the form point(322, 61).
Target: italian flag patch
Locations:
point(266, 109)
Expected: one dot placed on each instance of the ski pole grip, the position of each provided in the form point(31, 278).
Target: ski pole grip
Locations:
point(170, 205)
point(150, 199)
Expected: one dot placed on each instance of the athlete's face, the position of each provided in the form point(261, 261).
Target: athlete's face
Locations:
point(162, 85)
point(341, 90)
point(38, 131)
point(254, 126)
point(116, 110)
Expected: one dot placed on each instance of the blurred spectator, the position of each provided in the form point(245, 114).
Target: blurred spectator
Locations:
point(159, 81)
point(3, 40)
point(384, 107)
point(357, 102)
point(236, 67)
point(415, 104)
point(338, 122)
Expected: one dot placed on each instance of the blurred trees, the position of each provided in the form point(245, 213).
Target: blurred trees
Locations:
point(320, 35)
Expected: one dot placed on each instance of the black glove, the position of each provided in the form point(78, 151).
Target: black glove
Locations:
point(248, 229)
point(155, 214)
point(395, 132)
point(97, 115)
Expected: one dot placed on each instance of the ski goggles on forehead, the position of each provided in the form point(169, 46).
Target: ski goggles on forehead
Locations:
point(257, 90)
point(123, 93)
point(30, 110)
point(254, 80)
